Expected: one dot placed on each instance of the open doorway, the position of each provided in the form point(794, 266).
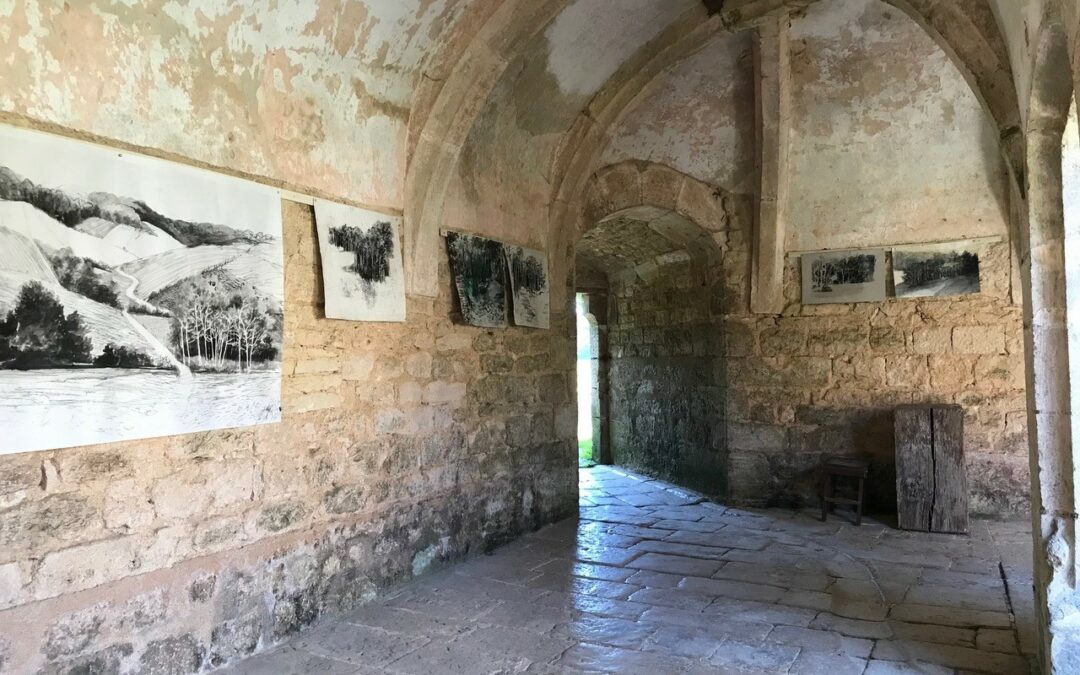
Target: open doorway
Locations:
point(587, 384)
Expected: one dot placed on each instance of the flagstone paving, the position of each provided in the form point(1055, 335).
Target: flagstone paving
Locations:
point(652, 579)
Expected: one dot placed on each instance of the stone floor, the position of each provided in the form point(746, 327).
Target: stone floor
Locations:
point(654, 580)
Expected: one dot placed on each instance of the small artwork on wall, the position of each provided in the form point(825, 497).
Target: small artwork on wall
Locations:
point(936, 269)
point(363, 276)
point(843, 276)
point(529, 286)
point(478, 266)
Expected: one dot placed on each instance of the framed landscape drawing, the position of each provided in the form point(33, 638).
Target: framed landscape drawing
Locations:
point(478, 266)
point(363, 276)
point(138, 298)
point(529, 286)
point(936, 269)
point(843, 276)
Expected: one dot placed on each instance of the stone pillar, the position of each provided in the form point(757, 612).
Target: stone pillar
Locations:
point(772, 78)
point(1049, 407)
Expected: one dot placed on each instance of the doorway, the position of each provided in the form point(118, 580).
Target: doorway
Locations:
point(588, 384)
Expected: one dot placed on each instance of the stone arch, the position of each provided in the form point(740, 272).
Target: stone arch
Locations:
point(1042, 256)
point(455, 89)
point(660, 237)
point(635, 184)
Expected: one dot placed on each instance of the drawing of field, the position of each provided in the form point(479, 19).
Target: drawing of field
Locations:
point(137, 298)
point(21, 255)
point(165, 269)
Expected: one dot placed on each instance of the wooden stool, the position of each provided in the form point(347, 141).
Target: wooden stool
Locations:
point(844, 468)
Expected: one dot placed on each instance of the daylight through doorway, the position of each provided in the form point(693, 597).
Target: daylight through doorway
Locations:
point(586, 380)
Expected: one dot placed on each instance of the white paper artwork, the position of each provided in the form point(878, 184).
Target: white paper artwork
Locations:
point(529, 286)
point(363, 275)
point(843, 276)
point(138, 298)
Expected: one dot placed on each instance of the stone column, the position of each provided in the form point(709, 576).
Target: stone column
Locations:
point(1049, 407)
point(772, 78)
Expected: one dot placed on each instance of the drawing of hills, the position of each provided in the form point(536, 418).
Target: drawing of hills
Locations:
point(75, 210)
point(130, 272)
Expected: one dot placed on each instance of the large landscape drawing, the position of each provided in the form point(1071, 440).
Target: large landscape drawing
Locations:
point(138, 298)
point(363, 273)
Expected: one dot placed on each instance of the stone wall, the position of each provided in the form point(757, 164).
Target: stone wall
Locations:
point(666, 375)
point(823, 380)
point(403, 446)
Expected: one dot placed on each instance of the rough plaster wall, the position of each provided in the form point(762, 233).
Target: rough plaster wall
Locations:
point(502, 181)
point(886, 135)
point(665, 374)
point(402, 446)
point(697, 118)
point(315, 94)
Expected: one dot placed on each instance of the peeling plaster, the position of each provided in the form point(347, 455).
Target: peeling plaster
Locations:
point(886, 136)
point(311, 93)
point(698, 118)
point(590, 40)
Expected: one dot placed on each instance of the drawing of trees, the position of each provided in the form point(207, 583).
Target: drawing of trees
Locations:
point(37, 334)
point(853, 269)
point(371, 249)
point(921, 269)
point(221, 327)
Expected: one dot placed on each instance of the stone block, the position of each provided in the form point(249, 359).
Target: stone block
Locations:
point(1000, 372)
point(128, 505)
point(419, 365)
point(172, 656)
point(979, 339)
point(36, 525)
point(11, 584)
point(786, 339)
point(887, 340)
point(907, 372)
point(932, 340)
point(661, 186)
point(951, 373)
point(86, 566)
point(310, 366)
point(440, 392)
point(358, 368)
point(838, 339)
point(757, 437)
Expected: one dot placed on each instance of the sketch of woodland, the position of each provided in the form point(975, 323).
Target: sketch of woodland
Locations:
point(362, 267)
point(126, 302)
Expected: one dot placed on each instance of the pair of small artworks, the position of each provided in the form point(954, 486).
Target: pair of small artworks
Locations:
point(923, 270)
point(488, 272)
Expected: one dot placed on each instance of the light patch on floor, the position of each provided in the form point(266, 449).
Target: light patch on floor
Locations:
point(652, 579)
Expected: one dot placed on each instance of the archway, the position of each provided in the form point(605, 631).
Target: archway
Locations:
point(655, 283)
point(1047, 299)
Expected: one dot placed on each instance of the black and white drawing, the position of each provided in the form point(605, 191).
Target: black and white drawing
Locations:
point(529, 288)
point(936, 269)
point(138, 298)
point(479, 269)
point(363, 276)
point(843, 276)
